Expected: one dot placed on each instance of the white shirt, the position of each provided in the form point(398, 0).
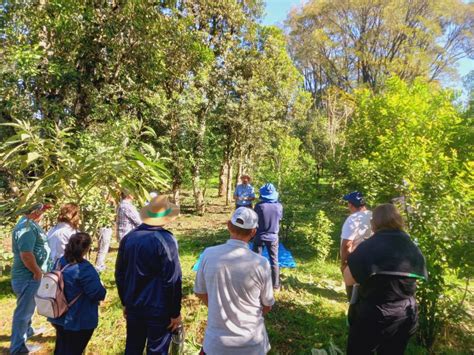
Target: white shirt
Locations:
point(58, 237)
point(238, 282)
point(357, 227)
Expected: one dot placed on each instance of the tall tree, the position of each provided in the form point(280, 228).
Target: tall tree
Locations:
point(348, 43)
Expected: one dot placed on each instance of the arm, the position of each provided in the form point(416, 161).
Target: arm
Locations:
point(134, 216)
point(91, 285)
point(348, 278)
point(171, 273)
point(29, 260)
point(203, 297)
point(346, 249)
point(200, 289)
point(266, 296)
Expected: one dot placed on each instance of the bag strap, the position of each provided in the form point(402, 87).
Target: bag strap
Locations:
point(70, 304)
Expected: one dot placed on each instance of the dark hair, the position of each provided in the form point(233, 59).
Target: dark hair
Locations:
point(386, 216)
point(77, 246)
point(125, 193)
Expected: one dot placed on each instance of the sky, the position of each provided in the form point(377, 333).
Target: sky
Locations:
point(277, 10)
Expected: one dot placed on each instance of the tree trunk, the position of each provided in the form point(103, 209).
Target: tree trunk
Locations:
point(176, 169)
point(198, 159)
point(229, 184)
point(223, 177)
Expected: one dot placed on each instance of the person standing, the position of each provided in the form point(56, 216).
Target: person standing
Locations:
point(270, 213)
point(148, 278)
point(30, 260)
point(235, 284)
point(83, 290)
point(105, 232)
point(244, 193)
point(128, 217)
point(386, 268)
point(68, 224)
point(355, 230)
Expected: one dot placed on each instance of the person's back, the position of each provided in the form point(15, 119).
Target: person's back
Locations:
point(128, 217)
point(269, 216)
point(357, 227)
point(148, 278)
point(80, 279)
point(144, 277)
point(237, 284)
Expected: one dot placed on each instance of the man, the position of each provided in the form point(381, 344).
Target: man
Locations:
point(244, 193)
point(127, 215)
point(31, 258)
point(148, 277)
point(355, 230)
point(270, 213)
point(235, 284)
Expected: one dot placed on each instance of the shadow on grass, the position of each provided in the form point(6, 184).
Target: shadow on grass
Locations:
point(294, 283)
point(296, 329)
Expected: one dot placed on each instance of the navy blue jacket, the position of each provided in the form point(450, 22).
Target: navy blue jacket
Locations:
point(269, 216)
point(148, 273)
point(81, 278)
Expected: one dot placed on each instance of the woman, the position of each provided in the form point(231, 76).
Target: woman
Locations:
point(386, 266)
point(74, 329)
point(68, 223)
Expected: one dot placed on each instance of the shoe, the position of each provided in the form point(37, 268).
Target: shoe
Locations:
point(37, 331)
point(31, 349)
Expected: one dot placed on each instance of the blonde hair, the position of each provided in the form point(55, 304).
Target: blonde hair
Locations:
point(386, 216)
point(69, 213)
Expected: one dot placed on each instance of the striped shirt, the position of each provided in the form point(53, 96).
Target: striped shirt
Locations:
point(127, 218)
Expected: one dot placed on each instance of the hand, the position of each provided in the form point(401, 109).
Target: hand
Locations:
point(37, 275)
point(175, 323)
point(266, 309)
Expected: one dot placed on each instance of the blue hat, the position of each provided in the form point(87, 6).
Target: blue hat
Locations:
point(356, 198)
point(268, 193)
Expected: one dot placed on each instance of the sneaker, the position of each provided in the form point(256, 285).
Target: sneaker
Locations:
point(32, 349)
point(37, 331)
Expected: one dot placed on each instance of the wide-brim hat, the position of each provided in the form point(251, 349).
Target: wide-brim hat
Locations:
point(159, 211)
point(268, 192)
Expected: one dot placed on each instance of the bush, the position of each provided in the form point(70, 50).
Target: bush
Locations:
point(318, 234)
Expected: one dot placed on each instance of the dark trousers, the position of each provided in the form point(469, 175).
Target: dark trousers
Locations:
point(71, 342)
point(150, 330)
point(272, 248)
point(381, 329)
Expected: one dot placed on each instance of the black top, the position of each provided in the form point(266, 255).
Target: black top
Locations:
point(386, 266)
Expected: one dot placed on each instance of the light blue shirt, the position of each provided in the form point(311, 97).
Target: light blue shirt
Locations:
point(244, 191)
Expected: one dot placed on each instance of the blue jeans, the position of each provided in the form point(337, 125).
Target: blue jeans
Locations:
point(272, 248)
point(25, 291)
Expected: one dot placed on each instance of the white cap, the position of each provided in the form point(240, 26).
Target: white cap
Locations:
point(244, 217)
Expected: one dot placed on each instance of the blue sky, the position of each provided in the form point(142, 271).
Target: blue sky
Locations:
point(277, 10)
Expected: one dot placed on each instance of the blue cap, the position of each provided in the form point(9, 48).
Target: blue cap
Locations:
point(356, 198)
point(268, 193)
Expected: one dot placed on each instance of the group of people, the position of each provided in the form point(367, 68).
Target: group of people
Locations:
point(379, 262)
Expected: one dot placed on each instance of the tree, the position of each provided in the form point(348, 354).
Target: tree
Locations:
point(349, 43)
point(401, 143)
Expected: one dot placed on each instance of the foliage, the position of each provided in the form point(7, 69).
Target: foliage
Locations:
point(318, 234)
point(52, 163)
point(400, 143)
point(349, 43)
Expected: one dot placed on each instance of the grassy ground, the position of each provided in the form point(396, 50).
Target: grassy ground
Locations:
point(309, 313)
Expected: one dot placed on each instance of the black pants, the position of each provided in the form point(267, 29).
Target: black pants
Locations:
point(71, 342)
point(381, 329)
point(272, 248)
point(149, 330)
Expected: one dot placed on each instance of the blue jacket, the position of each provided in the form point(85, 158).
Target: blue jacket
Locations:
point(148, 273)
point(269, 216)
point(81, 278)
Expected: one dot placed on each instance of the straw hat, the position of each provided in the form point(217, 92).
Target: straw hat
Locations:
point(159, 211)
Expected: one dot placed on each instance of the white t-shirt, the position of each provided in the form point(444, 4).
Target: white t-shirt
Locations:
point(58, 237)
point(357, 227)
point(238, 282)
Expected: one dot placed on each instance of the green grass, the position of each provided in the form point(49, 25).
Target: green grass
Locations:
point(309, 313)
